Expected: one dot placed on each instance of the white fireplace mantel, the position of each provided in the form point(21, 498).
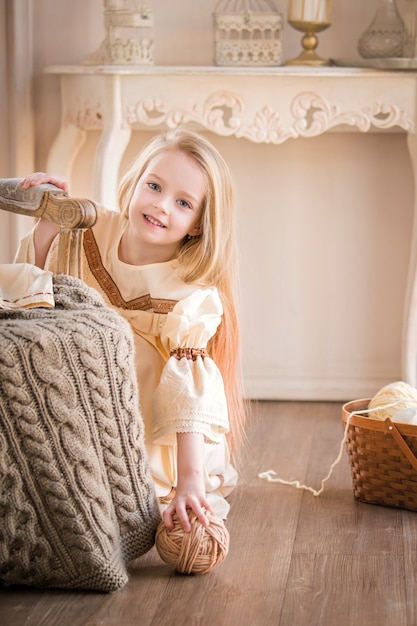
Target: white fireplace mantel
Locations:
point(262, 105)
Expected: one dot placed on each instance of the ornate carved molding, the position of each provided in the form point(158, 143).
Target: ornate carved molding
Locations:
point(86, 115)
point(225, 113)
point(221, 113)
point(314, 115)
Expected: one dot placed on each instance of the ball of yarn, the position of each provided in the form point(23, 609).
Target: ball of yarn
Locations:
point(194, 552)
point(391, 399)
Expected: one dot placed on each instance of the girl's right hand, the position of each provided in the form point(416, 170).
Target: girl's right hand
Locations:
point(38, 178)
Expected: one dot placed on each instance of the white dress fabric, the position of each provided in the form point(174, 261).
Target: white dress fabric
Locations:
point(180, 388)
point(24, 286)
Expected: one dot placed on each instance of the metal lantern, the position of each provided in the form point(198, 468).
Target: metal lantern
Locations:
point(247, 33)
point(129, 35)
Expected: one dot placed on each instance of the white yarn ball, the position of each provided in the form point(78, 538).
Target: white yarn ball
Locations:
point(406, 416)
point(393, 399)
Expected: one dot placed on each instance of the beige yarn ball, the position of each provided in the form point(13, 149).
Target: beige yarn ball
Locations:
point(194, 552)
point(400, 395)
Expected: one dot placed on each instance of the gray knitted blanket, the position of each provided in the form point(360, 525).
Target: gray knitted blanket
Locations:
point(77, 501)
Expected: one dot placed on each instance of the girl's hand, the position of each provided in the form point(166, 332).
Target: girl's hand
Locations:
point(189, 495)
point(38, 178)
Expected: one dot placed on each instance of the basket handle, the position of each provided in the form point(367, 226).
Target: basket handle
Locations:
point(391, 428)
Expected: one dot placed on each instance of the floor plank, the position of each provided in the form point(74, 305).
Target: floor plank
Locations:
point(345, 590)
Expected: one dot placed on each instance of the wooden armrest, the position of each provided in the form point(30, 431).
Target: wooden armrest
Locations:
point(47, 201)
point(72, 215)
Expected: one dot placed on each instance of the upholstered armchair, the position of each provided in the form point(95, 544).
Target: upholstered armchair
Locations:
point(77, 502)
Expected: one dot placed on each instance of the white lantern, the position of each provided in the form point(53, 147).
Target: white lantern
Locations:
point(247, 32)
point(129, 35)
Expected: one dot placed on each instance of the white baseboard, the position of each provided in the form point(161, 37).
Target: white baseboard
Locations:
point(314, 389)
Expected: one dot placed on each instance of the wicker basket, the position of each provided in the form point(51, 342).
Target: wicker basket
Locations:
point(382, 458)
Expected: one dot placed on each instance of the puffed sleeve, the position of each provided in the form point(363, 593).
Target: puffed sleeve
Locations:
point(190, 396)
point(26, 252)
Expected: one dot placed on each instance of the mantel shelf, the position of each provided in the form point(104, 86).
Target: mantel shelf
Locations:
point(201, 70)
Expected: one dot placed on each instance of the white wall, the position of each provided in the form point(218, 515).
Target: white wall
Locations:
point(324, 224)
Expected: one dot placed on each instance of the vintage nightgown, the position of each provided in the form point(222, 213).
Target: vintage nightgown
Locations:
point(180, 388)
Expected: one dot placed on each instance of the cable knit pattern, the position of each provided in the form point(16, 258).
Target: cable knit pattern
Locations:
point(77, 501)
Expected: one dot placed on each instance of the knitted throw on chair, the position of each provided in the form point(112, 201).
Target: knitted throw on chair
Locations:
point(77, 501)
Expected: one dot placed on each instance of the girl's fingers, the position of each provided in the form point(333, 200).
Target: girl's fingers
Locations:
point(167, 518)
point(39, 178)
point(200, 511)
point(182, 515)
point(36, 178)
point(184, 519)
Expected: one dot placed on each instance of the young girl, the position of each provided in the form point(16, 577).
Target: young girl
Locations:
point(167, 263)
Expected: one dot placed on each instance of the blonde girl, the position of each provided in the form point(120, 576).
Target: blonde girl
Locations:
point(167, 263)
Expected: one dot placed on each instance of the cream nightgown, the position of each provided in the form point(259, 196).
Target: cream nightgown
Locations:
point(180, 389)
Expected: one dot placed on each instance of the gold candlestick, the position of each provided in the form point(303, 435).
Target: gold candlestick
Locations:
point(309, 17)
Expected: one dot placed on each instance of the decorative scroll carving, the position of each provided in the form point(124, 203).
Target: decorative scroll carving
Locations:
point(221, 113)
point(267, 127)
point(314, 115)
point(86, 115)
point(224, 113)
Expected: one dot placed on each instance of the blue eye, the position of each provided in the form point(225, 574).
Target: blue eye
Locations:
point(154, 186)
point(184, 203)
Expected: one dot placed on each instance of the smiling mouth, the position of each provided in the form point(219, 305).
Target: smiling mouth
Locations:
point(154, 221)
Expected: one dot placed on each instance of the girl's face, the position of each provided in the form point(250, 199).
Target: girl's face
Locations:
point(166, 206)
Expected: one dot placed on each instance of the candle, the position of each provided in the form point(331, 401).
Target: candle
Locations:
point(309, 10)
point(113, 4)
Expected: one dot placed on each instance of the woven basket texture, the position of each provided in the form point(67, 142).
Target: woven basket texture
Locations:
point(381, 473)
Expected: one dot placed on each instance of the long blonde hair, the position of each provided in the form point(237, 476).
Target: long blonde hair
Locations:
point(208, 259)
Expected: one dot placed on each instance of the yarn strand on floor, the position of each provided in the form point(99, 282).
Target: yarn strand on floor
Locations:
point(270, 475)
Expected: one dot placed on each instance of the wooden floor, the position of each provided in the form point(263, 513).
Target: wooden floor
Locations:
point(294, 560)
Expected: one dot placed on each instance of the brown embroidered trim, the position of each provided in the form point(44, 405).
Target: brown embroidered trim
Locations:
point(188, 353)
point(29, 295)
point(106, 282)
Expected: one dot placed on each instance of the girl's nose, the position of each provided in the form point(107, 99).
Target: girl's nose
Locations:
point(161, 205)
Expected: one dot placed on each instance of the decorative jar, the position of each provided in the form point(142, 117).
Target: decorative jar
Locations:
point(385, 36)
point(410, 45)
